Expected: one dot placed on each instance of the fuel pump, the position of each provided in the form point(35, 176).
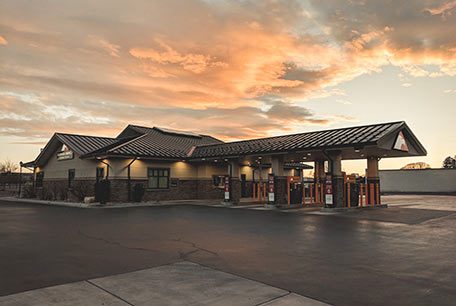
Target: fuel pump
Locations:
point(328, 190)
point(227, 188)
point(271, 187)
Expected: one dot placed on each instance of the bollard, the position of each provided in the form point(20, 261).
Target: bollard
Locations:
point(259, 192)
point(361, 195)
point(321, 193)
point(348, 195)
point(303, 193)
point(371, 194)
point(378, 193)
point(311, 195)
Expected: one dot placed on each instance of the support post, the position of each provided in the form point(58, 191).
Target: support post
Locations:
point(20, 180)
point(235, 188)
point(280, 181)
point(337, 178)
point(374, 179)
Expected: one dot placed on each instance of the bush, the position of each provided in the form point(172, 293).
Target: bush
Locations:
point(82, 189)
point(28, 192)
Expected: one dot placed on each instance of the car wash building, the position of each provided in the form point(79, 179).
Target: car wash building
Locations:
point(163, 164)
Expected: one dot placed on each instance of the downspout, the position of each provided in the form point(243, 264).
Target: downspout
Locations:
point(129, 178)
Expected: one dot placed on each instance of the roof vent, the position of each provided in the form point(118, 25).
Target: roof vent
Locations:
point(176, 132)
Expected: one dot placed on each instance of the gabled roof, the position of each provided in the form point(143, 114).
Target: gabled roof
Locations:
point(155, 142)
point(81, 144)
point(358, 136)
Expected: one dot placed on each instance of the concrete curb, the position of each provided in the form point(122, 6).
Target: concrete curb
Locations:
point(351, 209)
point(103, 206)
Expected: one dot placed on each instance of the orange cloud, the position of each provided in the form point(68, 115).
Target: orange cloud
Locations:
point(217, 63)
point(442, 9)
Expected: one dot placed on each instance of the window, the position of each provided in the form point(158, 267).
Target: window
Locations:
point(219, 181)
point(39, 179)
point(158, 178)
point(71, 175)
point(100, 174)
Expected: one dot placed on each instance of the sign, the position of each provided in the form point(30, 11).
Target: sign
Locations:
point(328, 190)
point(65, 155)
point(271, 187)
point(227, 188)
point(400, 143)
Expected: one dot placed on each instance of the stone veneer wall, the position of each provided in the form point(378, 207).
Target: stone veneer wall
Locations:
point(185, 190)
point(207, 190)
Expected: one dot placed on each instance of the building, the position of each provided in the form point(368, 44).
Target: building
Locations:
point(178, 165)
point(419, 181)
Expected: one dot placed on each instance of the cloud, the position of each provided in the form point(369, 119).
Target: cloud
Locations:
point(3, 41)
point(238, 68)
point(343, 101)
point(442, 9)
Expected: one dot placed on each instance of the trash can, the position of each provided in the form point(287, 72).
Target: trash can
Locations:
point(138, 192)
point(102, 191)
point(354, 194)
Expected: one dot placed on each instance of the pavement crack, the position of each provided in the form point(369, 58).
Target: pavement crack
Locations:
point(273, 299)
point(109, 292)
point(118, 244)
point(195, 246)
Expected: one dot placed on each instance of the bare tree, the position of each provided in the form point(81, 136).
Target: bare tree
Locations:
point(8, 166)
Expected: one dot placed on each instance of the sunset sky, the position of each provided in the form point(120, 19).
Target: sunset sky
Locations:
point(231, 69)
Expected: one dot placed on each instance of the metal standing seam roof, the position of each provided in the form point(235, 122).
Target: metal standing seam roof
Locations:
point(83, 144)
point(80, 144)
point(351, 136)
point(157, 142)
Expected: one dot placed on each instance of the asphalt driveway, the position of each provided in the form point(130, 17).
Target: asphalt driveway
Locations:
point(394, 256)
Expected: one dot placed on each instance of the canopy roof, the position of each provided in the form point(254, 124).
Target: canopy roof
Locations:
point(375, 136)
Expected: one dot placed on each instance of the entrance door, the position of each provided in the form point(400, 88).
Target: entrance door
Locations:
point(243, 186)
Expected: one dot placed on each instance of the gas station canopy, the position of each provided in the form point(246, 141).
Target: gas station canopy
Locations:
point(393, 139)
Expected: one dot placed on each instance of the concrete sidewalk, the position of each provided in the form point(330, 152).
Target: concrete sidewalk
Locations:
point(183, 283)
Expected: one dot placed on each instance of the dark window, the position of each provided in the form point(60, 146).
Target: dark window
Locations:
point(100, 174)
point(158, 178)
point(39, 179)
point(219, 181)
point(71, 175)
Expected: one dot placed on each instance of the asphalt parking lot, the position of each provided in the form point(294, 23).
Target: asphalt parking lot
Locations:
point(402, 255)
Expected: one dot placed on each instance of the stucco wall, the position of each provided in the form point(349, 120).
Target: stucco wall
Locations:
point(58, 169)
point(419, 181)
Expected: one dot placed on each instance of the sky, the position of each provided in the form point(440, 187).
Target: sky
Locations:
point(235, 69)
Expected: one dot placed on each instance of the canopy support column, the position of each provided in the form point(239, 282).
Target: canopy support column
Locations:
point(373, 181)
point(235, 182)
point(280, 181)
point(337, 178)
